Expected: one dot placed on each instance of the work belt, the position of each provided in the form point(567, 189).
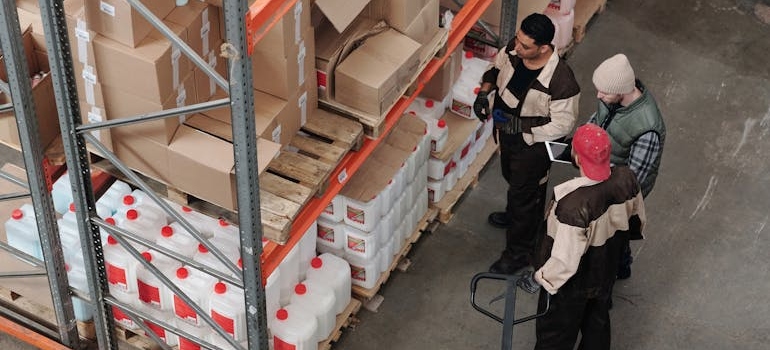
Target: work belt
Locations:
point(509, 123)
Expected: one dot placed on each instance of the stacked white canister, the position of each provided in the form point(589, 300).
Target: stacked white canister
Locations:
point(562, 14)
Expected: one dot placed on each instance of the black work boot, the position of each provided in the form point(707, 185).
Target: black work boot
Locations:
point(499, 219)
point(508, 266)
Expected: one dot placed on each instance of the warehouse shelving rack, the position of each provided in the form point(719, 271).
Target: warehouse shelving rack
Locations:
point(244, 26)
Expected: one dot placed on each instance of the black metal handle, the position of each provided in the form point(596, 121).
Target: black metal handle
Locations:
point(508, 319)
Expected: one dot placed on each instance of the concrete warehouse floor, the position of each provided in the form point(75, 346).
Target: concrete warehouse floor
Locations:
point(700, 279)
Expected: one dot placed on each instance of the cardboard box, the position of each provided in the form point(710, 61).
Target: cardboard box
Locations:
point(117, 20)
point(371, 77)
point(440, 85)
point(203, 165)
point(295, 115)
point(424, 26)
point(329, 46)
point(398, 13)
point(42, 95)
point(288, 31)
point(93, 114)
point(284, 76)
point(267, 109)
point(152, 70)
point(121, 104)
point(142, 154)
point(205, 86)
point(201, 22)
point(341, 13)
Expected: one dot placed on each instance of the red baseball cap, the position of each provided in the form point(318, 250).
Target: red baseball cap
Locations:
point(592, 145)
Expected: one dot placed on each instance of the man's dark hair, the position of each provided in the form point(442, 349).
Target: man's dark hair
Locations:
point(538, 27)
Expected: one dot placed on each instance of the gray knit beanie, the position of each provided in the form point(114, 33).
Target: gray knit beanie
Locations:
point(615, 75)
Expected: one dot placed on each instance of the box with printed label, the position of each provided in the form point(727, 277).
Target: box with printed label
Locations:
point(298, 107)
point(95, 114)
point(121, 104)
point(117, 20)
point(206, 86)
point(201, 21)
point(287, 32)
point(153, 70)
point(42, 95)
point(284, 76)
point(371, 76)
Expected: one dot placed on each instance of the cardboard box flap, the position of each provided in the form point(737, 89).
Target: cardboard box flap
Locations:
point(210, 125)
point(358, 39)
point(341, 12)
point(205, 149)
point(370, 179)
point(459, 130)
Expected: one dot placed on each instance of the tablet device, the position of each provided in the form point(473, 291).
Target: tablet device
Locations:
point(558, 152)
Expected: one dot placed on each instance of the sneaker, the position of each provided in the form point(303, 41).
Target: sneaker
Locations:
point(499, 219)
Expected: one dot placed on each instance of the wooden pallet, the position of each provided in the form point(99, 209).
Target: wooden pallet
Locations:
point(400, 262)
point(375, 124)
point(584, 12)
point(31, 309)
point(345, 319)
point(469, 180)
point(291, 179)
point(135, 339)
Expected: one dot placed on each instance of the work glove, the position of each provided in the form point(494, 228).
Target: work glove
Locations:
point(528, 284)
point(481, 106)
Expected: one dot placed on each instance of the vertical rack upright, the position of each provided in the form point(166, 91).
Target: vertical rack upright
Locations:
point(19, 89)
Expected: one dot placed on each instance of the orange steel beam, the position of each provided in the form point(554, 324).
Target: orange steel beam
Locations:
point(274, 253)
point(263, 15)
point(28, 336)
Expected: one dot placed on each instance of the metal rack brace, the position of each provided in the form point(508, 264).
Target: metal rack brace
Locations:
point(20, 91)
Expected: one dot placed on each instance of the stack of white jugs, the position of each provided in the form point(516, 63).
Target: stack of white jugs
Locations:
point(368, 234)
point(562, 14)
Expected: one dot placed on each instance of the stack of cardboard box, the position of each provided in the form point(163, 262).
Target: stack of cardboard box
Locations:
point(366, 60)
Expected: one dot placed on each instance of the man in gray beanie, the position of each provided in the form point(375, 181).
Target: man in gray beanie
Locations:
point(633, 121)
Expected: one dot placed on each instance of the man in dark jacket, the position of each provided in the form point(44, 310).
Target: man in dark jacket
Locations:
point(576, 262)
point(536, 101)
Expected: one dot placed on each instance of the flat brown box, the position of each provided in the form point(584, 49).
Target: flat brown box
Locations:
point(117, 20)
point(147, 71)
point(203, 165)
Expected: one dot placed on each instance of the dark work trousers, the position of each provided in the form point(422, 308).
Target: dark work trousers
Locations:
point(583, 303)
point(525, 168)
point(569, 314)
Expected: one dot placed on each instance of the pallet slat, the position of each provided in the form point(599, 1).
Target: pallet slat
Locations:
point(305, 170)
point(318, 149)
point(284, 188)
point(341, 131)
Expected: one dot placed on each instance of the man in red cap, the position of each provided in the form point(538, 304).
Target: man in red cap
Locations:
point(577, 259)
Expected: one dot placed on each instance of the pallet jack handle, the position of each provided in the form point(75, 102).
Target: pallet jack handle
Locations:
point(508, 319)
